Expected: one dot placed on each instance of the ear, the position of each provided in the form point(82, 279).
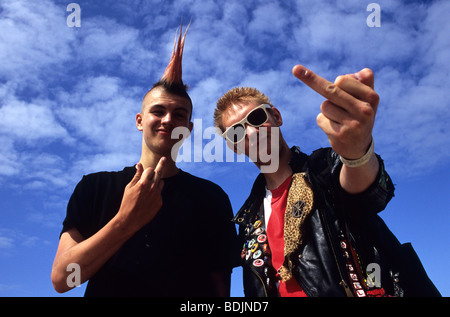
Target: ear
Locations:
point(276, 115)
point(139, 121)
point(190, 127)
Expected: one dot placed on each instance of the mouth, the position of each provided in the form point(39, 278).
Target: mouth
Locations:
point(164, 132)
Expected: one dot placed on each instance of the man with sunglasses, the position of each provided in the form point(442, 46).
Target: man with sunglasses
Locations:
point(295, 224)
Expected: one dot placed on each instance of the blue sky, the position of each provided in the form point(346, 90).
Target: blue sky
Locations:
point(68, 99)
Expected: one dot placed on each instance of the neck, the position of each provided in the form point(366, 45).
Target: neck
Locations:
point(152, 159)
point(275, 179)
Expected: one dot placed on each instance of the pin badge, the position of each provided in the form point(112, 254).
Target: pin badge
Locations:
point(258, 263)
point(360, 293)
point(261, 238)
point(257, 254)
point(297, 209)
point(247, 256)
point(258, 231)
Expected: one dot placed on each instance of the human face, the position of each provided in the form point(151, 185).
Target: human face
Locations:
point(161, 113)
point(260, 139)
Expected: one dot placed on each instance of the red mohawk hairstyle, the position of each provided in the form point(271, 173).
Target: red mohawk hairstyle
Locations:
point(171, 81)
point(173, 72)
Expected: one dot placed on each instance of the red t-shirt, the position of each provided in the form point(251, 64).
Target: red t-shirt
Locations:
point(275, 235)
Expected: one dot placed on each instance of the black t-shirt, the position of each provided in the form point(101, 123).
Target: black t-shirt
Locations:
point(190, 236)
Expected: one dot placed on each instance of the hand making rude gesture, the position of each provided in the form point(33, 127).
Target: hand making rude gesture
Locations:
point(348, 115)
point(142, 197)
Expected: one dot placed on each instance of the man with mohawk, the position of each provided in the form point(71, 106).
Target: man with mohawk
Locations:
point(148, 229)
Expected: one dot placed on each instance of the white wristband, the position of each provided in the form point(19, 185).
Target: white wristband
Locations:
point(361, 161)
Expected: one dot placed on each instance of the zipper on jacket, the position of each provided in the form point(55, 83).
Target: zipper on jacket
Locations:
point(261, 280)
point(303, 287)
point(344, 284)
point(347, 289)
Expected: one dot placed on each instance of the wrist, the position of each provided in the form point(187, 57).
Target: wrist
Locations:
point(360, 161)
point(122, 226)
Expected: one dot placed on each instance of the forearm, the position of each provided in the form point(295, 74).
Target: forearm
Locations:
point(355, 180)
point(90, 254)
point(140, 203)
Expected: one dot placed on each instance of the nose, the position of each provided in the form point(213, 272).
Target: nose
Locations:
point(167, 119)
point(251, 132)
point(251, 129)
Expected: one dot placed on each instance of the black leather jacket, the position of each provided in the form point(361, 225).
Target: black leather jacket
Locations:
point(319, 267)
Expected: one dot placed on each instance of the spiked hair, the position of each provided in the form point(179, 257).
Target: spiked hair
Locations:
point(236, 95)
point(173, 72)
point(172, 80)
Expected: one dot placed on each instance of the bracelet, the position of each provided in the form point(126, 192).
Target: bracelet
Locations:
point(361, 161)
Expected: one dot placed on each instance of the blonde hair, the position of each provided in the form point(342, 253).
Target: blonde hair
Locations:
point(235, 95)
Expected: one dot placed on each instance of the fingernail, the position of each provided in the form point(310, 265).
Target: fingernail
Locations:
point(302, 72)
point(355, 75)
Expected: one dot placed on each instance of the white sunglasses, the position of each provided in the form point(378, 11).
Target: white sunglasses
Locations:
point(256, 118)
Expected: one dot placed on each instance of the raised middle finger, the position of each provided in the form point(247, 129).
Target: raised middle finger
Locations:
point(327, 89)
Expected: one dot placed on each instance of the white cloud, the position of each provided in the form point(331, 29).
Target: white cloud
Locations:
point(6, 243)
point(8, 157)
point(33, 37)
point(44, 219)
point(103, 39)
point(80, 88)
point(30, 121)
point(269, 18)
point(12, 239)
point(102, 111)
point(112, 161)
point(408, 54)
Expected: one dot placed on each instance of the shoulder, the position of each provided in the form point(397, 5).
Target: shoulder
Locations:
point(111, 174)
point(324, 159)
point(130, 170)
point(324, 154)
point(106, 178)
point(319, 160)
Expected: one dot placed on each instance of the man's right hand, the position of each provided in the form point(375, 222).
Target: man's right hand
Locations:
point(142, 197)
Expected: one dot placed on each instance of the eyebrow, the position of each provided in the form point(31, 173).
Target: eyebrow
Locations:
point(159, 106)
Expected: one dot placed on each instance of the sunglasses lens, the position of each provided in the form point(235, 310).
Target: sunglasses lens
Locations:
point(236, 133)
point(257, 117)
